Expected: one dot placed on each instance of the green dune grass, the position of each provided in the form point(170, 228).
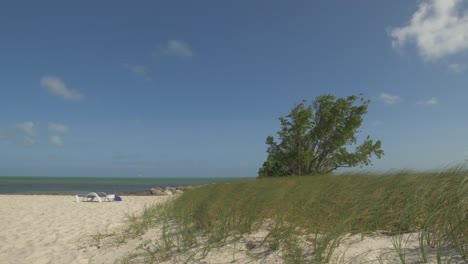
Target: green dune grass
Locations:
point(322, 209)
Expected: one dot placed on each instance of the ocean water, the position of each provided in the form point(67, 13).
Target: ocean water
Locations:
point(69, 185)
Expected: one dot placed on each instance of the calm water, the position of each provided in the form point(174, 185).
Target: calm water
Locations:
point(19, 185)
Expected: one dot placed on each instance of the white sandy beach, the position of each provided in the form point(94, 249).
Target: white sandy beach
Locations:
point(49, 228)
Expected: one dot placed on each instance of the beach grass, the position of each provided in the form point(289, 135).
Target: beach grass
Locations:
point(301, 215)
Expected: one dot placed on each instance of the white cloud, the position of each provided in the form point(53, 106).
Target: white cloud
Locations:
point(27, 127)
point(457, 68)
point(137, 70)
point(431, 101)
point(59, 128)
point(178, 48)
point(389, 99)
point(56, 140)
point(27, 131)
point(438, 28)
point(57, 87)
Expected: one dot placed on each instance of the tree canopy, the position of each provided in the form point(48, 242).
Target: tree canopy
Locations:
point(317, 138)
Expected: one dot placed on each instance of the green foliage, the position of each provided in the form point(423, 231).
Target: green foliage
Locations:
point(315, 139)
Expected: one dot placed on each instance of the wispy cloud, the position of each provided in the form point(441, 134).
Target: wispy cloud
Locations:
point(178, 48)
point(137, 70)
point(457, 68)
point(59, 128)
point(389, 98)
point(438, 28)
point(55, 86)
point(28, 127)
point(56, 140)
point(27, 131)
point(431, 101)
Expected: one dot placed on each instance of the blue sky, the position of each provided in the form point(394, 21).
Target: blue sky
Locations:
point(193, 88)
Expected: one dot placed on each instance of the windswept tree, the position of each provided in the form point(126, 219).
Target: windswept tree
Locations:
point(318, 138)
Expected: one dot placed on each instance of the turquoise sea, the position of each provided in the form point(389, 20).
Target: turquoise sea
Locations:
point(68, 185)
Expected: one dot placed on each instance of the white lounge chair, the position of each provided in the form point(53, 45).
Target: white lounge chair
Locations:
point(92, 196)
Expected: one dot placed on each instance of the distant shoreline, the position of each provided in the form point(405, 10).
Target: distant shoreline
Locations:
point(122, 186)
